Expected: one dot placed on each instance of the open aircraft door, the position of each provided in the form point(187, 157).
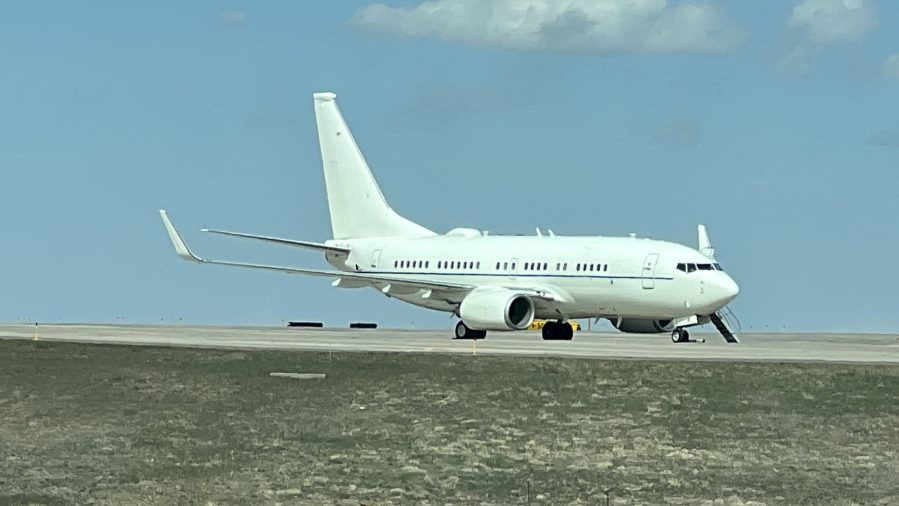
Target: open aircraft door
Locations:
point(649, 271)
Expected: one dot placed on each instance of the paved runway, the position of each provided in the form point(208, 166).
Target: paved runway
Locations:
point(869, 348)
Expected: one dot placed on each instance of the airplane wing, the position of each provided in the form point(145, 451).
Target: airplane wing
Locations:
point(278, 240)
point(183, 251)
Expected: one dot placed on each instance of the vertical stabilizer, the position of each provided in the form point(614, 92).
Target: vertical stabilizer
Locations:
point(358, 209)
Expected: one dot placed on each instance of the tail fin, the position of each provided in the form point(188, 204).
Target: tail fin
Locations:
point(358, 209)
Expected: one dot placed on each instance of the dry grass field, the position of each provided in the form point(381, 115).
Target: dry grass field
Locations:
point(89, 424)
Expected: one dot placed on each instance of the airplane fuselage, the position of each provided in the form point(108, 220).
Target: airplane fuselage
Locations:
point(610, 277)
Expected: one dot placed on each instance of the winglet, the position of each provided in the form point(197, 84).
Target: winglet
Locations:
point(705, 244)
point(179, 244)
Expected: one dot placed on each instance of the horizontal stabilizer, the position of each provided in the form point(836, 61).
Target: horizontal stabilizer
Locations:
point(278, 240)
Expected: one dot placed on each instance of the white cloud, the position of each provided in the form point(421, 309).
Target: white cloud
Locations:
point(796, 63)
point(835, 20)
point(585, 26)
point(233, 17)
point(890, 66)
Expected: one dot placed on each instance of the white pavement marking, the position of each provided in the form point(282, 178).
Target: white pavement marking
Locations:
point(867, 348)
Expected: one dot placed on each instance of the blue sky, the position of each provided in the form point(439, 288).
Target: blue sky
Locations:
point(775, 123)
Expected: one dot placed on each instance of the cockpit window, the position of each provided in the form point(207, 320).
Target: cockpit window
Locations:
point(685, 267)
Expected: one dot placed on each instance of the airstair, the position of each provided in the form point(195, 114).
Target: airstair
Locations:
point(727, 324)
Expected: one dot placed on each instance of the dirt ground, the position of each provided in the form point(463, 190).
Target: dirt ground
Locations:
point(89, 424)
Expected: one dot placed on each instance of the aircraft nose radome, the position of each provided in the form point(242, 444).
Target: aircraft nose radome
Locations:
point(727, 289)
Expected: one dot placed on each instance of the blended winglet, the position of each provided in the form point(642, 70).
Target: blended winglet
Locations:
point(179, 244)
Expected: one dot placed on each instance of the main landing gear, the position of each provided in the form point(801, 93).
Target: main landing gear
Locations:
point(680, 335)
point(463, 332)
point(557, 331)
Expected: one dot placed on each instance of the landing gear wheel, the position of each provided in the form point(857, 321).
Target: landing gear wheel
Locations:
point(549, 330)
point(463, 332)
point(557, 331)
point(566, 331)
point(680, 335)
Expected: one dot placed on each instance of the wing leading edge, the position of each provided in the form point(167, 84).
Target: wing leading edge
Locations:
point(278, 240)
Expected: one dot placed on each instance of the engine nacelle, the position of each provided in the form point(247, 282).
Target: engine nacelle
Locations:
point(633, 326)
point(496, 309)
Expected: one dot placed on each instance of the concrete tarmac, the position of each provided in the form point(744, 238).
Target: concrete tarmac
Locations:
point(856, 348)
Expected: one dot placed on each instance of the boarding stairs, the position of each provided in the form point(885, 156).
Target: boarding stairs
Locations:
point(727, 324)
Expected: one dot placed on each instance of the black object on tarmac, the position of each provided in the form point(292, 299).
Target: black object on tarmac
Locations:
point(362, 325)
point(305, 324)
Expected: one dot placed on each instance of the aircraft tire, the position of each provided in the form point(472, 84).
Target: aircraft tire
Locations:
point(462, 331)
point(566, 331)
point(680, 335)
point(550, 331)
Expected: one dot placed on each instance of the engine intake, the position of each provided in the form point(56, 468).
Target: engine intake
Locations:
point(496, 309)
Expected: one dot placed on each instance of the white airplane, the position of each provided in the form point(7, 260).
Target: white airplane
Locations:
point(494, 282)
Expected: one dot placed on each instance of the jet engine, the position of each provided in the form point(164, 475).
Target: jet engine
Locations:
point(496, 309)
point(637, 326)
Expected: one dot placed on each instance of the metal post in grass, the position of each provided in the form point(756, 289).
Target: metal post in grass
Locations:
point(529, 492)
point(608, 497)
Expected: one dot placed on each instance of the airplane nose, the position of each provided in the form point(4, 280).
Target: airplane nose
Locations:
point(726, 289)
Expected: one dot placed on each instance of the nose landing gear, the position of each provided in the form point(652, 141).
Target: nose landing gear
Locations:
point(680, 335)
